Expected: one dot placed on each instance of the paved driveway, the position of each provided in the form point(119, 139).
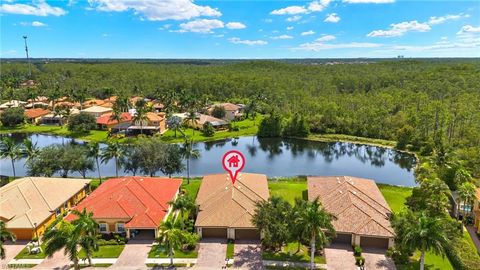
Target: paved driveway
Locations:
point(11, 250)
point(340, 257)
point(375, 259)
point(58, 261)
point(134, 255)
point(211, 254)
point(248, 255)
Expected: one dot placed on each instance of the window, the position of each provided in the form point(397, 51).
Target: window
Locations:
point(58, 212)
point(103, 227)
point(120, 227)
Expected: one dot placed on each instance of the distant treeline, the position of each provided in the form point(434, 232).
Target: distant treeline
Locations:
point(421, 102)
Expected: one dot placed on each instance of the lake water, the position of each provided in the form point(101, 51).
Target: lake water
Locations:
point(275, 158)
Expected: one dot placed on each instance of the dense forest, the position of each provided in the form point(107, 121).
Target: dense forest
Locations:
point(425, 103)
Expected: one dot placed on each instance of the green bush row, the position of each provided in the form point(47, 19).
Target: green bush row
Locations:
point(462, 256)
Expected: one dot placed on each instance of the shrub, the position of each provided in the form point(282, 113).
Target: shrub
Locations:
point(270, 126)
point(219, 112)
point(208, 129)
point(82, 122)
point(360, 261)
point(12, 117)
point(462, 255)
point(357, 251)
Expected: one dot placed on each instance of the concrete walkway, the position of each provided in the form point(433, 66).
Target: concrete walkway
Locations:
point(472, 231)
point(248, 255)
point(375, 259)
point(58, 262)
point(340, 257)
point(11, 250)
point(293, 264)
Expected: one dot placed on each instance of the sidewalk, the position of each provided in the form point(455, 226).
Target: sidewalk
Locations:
point(292, 264)
point(167, 261)
point(471, 230)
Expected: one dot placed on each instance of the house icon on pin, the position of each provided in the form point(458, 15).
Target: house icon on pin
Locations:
point(233, 161)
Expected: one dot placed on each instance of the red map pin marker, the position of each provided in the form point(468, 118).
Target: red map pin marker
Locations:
point(233, 162)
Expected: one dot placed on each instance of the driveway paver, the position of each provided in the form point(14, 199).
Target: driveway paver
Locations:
point(134, 255)
point(11, 250)
point(248, 255)
point(59, 261)
point(340, 257)
point(211, 254)
point(375, 259)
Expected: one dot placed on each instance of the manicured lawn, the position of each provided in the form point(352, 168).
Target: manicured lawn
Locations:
point(107, 251)
point(192, 188)
point(94, 135)
point(230, 249)
point(395, 196)
point(288, 190)
point(245, 128)
point(284, 255)
point(25, 255)
point(159, 251)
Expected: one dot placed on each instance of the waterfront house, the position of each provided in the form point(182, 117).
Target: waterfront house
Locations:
point(106, 122)
point(361, 210)
point(97, 111)
point(28, 205)
point(154, 123)
point(131, 205)
point(217, 124)
point(226, 209)
point(34, 116)
point(232, 111)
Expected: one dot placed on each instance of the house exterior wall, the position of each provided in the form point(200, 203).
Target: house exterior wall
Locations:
point(476, 214)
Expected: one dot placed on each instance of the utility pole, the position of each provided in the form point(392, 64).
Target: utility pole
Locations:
point(28, 59)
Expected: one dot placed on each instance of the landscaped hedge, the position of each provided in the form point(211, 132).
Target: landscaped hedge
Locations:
point(462, 256)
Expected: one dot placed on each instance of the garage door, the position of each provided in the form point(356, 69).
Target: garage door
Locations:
point(214, 232)
point(343, 238)
point(374, 242)
point(247, 234)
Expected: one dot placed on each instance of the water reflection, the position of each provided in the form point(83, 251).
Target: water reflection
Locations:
point(277, 157)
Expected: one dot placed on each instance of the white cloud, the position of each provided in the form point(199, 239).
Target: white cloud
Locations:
point(235, 25)
point(38, 8)
point(8, 53)
point(38, 24)
point(332, 18)
point(399, 29)
point(201, 26)
point(291, 10)
point(308, 33)
point(237, 40)
point(289, 28)
point(155, 10)
point(105, 35)
point(368, 1)
point(294, 18)
point(325, 38)
point(439, 20)
point(282, 37)
point(320, 45)
point(314, 6)
point(468, 29)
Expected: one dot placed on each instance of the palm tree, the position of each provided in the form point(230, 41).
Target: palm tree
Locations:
point(72, 237)
point(113, 150)
point(188, 152)
point(424, 233)
point(5, 235)
point(9, 149)
point(174, 122)
point(94, 151)
point(88, 228)
point(466, 194)
point(192, 118)
point(317, 225)
point(171, 236)
point(141, 113)
point(30, 150)
point(183, 204)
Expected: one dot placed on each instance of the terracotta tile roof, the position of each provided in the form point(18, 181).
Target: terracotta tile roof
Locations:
point(222, 204)
point(230, 106)
point(143, 201)
point(37, 112)
point(30, 200)
point(153, 117)
point(357, 203)
point(107, 120)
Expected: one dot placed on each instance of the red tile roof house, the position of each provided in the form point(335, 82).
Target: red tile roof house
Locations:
point(131, 204)
point(34, 115)
point(106, 121)
point(362, 212)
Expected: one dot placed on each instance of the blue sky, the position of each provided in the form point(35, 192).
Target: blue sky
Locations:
point(240, 29)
